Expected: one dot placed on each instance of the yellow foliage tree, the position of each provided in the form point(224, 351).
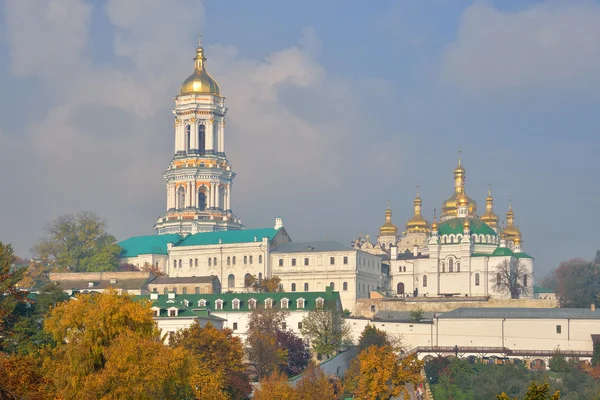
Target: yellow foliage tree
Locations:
point(315, 384)
point(107, 343)
point(216, 358)
point(275, 387)
point(21, 377)
point(378, 373)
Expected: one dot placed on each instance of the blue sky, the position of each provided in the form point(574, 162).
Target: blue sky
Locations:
point(334, 107)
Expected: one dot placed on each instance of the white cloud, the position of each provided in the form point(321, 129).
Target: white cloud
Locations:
point(548, 46)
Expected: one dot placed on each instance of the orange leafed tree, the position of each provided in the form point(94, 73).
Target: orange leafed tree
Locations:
point(378, 373)
point(275, 387)
point(105, 343)
point(216, 362)
point(315, 384)
point(21, 377)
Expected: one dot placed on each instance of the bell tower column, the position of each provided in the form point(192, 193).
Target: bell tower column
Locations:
point(210, 137)
point(221, 139)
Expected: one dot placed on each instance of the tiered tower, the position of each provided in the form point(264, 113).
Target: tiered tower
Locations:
point(199, 177)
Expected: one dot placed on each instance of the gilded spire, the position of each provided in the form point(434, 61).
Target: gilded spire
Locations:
point(489, 217)
point(417, 224)
point(511, 231)
point(388, 228)
point(450, 206)
point(434, 225)
point(200, 82)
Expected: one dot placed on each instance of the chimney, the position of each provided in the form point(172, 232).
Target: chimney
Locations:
point(394, 252)
point(278, 223)
point(593, 307)
point(415, 250)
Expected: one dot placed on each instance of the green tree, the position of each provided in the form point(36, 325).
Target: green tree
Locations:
point(558, 362)
point(326, 329)
point(535, 392)
point(417, 315)
point(371, 336)
point(10, 295)
point(78, 243)
point(596, 354)
point(264, 285)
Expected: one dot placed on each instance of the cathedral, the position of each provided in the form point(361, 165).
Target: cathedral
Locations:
point(458, 256)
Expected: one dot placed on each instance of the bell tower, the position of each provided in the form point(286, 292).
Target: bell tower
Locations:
point(199, 178)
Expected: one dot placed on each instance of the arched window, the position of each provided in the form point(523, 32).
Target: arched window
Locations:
point(400, 269)
point(180, 263)
point(404, 268)
point(345, 286)
point(209, 261)
point(181, 197)
point(451, 265)
point(457, 266)
point(201, 138)
point(228, 260)
point(477, 279)
point(383, 246)
point(525, 280)
point(424, 280)
point(195, 262)
point(306, 286)
point(191, 263)
point(231, 281)
point(245, 260)
point(293, 287)
point(174, 263)
point(247, 280)
point(215, 261)
point(319, 288)
point(233, 260)
point(202, 201)
point(260, 259)
point(250, 260)
point(443, 267)
point(332, 285)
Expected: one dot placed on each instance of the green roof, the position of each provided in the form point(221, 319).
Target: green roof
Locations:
point(522, 255)
point(539, 289)
point(228, 237)
point(310, 300)
point(455, 226)
point(503, 251)
point(151, 244)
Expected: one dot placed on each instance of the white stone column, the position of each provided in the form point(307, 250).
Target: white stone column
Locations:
point(179, 134)
point(228, 198)
point(193, 135)
point(218, 196)
point(221, 139)
point(213, 193)
point(173, 193)
point(194, 199)
point(210, 137)
point(188, 195)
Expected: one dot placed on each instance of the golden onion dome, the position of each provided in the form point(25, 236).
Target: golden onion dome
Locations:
point(200, 81)
point(388, 228)
point(489, 217)
point(417, 224)
point(462, 200)
point(466, 224)
point(511, 231)
point(450, 206)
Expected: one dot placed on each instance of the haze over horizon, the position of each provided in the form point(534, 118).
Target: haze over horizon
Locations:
point(334, 108)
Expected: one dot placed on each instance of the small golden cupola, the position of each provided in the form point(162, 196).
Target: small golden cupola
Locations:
point(511, 231)
point(434, 224)
point(388, 228)
point(489, 217)
point(450, 206)
point(417, 224)
point(200, 81)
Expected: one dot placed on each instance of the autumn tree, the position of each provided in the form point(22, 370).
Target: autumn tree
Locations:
point(326, 329)
point(578, 283)
point(378, 373)
point(596, 353)
point(107, 344)
point(535, 392)
point(263, 285)
point(262, 346)
point(371, 336)
point(298, 355)
point(315, 384)
point(79, 242)
point(511, 277)
point(36, 273)
point(275, 387)
point(216, 358)
point(22, 377)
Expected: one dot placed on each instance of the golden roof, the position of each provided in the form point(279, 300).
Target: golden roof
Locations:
point(417, 224)
point(511, 231)
point(466, 224)
point(388, 229)
point(489, 217)
point(199, 81)
point(462, 200)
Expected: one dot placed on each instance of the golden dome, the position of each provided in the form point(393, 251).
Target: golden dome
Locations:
point(417, 224)
point(199, 81)
point(450, 206)
point(463, 200)
point(489, 217)
point(466, 224)
point(511, 231)
point(388, 229)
